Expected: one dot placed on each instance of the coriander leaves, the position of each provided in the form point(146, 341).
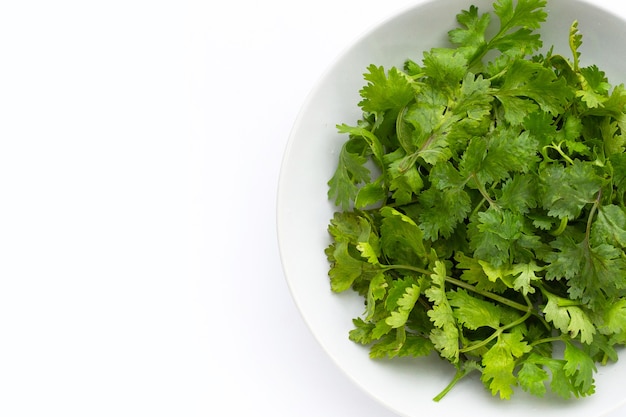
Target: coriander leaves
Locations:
point(482, 205)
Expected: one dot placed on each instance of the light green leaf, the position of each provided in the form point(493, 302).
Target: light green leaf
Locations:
point(499, 363)
point(569, 318)
point(472, 312)
point(525, 275)
point(376, 291)
point(445, 335)
point(399, 316)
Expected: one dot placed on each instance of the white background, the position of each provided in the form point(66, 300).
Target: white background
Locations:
point(140, 150)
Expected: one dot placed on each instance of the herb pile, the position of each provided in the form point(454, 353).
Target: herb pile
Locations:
point(482, 210)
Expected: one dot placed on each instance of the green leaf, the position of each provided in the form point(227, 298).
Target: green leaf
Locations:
point(525, 276)
point(614, 106)
point(618, 164)
point(528, 80)
point(376, 291)
point(526, 13)
point(494, 158)
point(541, 126)
point(351, 231)
point(416, 345)
point(392, 345)
point(388, 346)
point(610, 226)
point(350, 172)
point(473, 272)
point(362, 332)
point(350, 227)
point(596, 80)
point(472, 33)
point(442, 211)
point(515, 36)
point(614, 321)
point(603, 273)
point(446, 66)
point(428, 119)
point(401, 238)
point(580, 367)
point(445, 335)
point(595, 87)
point(501, 273)
point(475, 98)
point(345, 269)
point(519, 193)
point(444, 175)
point(405, 304)
point(370, 194)
point(614, 140)
point(594, 273)
point(397, 290)
point(412, 68)
point(516, 108)
point(570, 136)
point(561, 383)
point(569, 318)
point(404, 181)
point(370, 251)
point(499, 363)
point(525, 16)
point(565, 261)
point(532, 378)
point(566, 190)
point(495, 235)
point(392, 90)
point(370, 138)
point(381, 329)
point(472, 312)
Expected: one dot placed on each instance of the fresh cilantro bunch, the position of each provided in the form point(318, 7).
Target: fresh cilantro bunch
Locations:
point(482, 208)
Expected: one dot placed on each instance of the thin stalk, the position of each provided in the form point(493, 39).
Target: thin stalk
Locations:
point(536, 314)
point(487, 294)
point(465, 285)
point(560, 151)
point(460, 374)
point(561, 227)
point(478, 207)
point(495, 334)
point(547, 340)
point(483, 192)
point(592, 212)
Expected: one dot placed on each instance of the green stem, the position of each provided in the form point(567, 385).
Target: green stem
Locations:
point(536, 314)
point(465, 285)
point(561, 302)
point(487, 294)
point(592, 212)
point(483, 192)
point(561, 227)
point(560, 151)
point(495, 77)
point(497, 333)
point(408, 162)
point(568, 303)
point(487, 46)
point(547, 340)
point(477, 208)
point(460, 374)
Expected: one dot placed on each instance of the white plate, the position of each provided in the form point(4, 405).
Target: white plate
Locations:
point(407, 386)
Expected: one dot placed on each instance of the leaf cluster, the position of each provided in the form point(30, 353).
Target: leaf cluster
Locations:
point(493, 226)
